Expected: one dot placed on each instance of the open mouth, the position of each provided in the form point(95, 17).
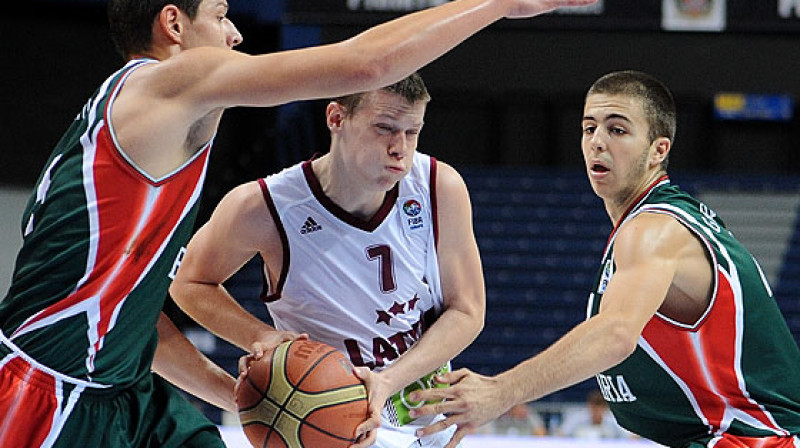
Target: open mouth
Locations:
point(599, 168)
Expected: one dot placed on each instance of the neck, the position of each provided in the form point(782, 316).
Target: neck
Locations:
point(343, 189)
point(157, 53)
point(617, 207)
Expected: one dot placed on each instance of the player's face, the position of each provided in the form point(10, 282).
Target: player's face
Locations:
point(616, 147)
point(381, 138)
point(211, 27)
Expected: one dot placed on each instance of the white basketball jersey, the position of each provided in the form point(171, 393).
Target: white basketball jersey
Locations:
point(368, 288)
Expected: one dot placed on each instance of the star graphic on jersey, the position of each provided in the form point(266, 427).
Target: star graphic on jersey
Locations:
point(384, 317)
point(413, 302)
point(397, 308)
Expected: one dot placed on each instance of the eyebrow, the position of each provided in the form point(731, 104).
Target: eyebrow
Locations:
point(609, 117)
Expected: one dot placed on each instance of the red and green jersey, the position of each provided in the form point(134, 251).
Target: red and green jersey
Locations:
point(100, 239)
point(734, 371)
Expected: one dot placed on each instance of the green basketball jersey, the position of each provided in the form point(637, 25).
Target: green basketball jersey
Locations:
point(100, 238)
point(736, 370)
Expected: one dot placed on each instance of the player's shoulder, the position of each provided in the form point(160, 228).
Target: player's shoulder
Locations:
point(651, 233)
point(448, 179)
point(181, 73)
point(244, 198)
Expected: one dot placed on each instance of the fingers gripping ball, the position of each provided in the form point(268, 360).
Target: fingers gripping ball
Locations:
point(304, 395)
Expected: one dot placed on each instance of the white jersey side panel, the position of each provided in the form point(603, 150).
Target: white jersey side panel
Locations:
point(368, 289)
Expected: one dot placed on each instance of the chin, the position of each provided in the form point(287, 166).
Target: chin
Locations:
point(599, 189)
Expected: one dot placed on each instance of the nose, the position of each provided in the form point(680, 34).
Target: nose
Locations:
point(232, 35)
point(597, 140)
point(399, 145)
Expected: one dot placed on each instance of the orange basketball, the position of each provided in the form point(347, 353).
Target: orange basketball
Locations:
point(304, 395)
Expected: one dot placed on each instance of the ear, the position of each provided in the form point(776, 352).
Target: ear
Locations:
point(170, 24)
point(335, 114)
point(661, 147)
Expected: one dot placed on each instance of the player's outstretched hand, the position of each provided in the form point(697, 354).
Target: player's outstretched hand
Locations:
point(471, 401)
point(377, 392)
point(529, 8)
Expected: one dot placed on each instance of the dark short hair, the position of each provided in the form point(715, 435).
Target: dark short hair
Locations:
point(131, 22)
point(657, 100)
point(412, 88)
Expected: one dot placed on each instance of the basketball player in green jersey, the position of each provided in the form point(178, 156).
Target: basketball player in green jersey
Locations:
point(684, 337)
point(104, 231)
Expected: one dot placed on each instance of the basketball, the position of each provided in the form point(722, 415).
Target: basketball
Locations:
point(304, 395)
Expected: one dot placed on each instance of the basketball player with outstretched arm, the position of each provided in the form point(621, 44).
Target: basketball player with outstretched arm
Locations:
point(686, 341)
point(104, 230)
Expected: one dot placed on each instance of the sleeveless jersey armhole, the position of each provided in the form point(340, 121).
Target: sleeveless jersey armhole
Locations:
point(707, 248)
point(275, 294)
point(434, 203)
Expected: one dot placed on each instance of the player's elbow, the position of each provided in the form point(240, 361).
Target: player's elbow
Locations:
point(370, 72)
point(470, 317)
point(177, 290)
point(369, 65)
point(475, 310)
point(478, 321)
point(181, 290)
point(621, 340)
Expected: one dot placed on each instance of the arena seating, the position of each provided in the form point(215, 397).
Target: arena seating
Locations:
point(540, 234)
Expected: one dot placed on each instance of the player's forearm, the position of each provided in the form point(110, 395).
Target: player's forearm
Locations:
point(178, 361)
point(590, 348)
point(211, 306)
point(453, 331)
point(397, 48)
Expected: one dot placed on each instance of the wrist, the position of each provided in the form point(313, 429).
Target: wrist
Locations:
point(509, 388)
point(390, 383)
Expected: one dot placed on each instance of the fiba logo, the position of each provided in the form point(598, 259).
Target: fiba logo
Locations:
point(412, 208)
point(608, 272)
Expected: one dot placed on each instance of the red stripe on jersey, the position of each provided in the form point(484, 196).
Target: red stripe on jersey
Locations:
point(135, 217)
point(707, 359)
point(732, 441)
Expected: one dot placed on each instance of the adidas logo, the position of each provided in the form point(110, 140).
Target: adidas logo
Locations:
point(310, 226)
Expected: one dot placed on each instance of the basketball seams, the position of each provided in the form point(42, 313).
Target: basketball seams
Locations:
point(310, 369)
point(326, 432)
point(282, 395)
point(264, 396)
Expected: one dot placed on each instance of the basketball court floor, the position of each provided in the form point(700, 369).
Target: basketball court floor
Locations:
point(234, 438)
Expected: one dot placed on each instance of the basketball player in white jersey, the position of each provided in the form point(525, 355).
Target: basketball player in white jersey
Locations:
point(368, 248)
